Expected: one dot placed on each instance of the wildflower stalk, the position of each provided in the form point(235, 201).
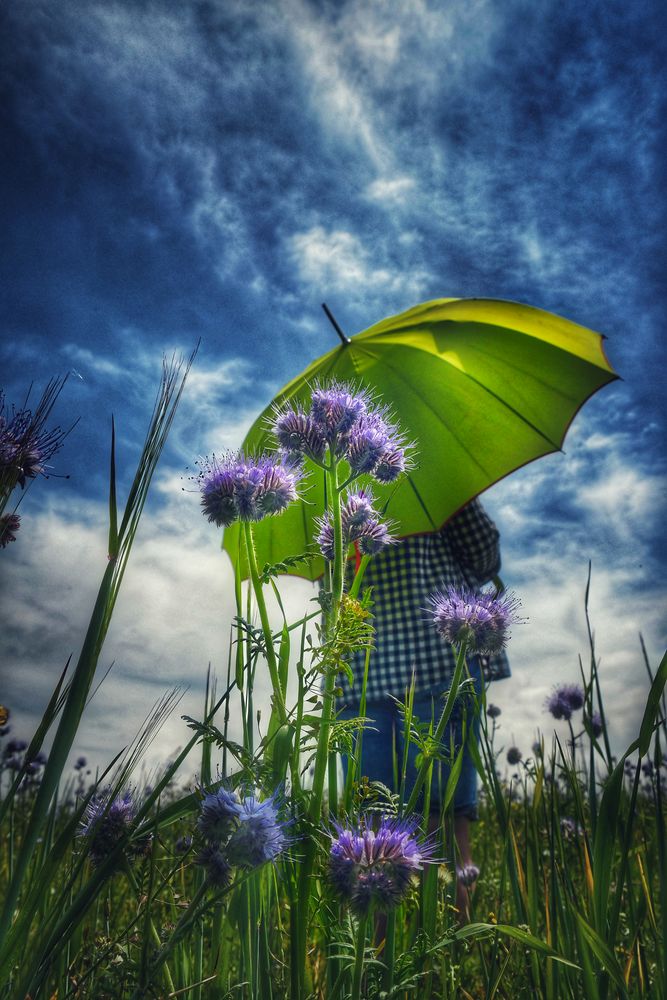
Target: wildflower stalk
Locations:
point(359, 957)
point(422, 773)
point(322, 754)
point(129, 874)
point(266, 627)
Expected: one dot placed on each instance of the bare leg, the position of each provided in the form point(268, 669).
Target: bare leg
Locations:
point(464, 857)
point(463, 892)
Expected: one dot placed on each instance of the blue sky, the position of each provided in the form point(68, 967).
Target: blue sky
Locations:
point(216, 170)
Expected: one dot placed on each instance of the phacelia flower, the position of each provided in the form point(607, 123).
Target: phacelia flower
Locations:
point(106, 821)
point(336, 408)
point(217, 868)
point(392, 463)
point(344, 418)
point(374, 868)
point(80, 763)
point(359, 522)
point(246, 488)
point(9, 525)
point(564, 700)
point(570, 828)
point(219, 814)
point(298, 435)
point(596, 724)
point(15, 746)
point(240, 830)
point(480, 620)
point(367, 443)
point(259, 835)
point(493, 711)
point(467, 874)
point(25, 444)
point(513, 755)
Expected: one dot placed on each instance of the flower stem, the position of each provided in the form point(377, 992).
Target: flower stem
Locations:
point(359, 958)
point(306, 881)
point(266, 627)
point(440, 728)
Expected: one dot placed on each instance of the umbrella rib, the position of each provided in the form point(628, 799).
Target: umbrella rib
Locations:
point(516, 413)
point(491, 393)
point(422, 502)
point(409, 387)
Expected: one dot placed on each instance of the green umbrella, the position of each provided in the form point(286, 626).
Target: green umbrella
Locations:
point(481, 386)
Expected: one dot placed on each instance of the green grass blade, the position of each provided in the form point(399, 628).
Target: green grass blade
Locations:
point(652, 707)
point(602, 952)
point(113, 509)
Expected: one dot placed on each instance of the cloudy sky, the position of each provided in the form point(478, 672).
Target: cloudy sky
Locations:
point(214, 170)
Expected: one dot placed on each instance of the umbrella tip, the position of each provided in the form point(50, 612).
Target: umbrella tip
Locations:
point(345, 340)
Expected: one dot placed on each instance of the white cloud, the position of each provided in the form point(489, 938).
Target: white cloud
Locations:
point(176, 605)
point(394, 191)
point(339, 261)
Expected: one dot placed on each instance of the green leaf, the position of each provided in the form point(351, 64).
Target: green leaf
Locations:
point(113, 510)
point(652, 707)
point(602, 952)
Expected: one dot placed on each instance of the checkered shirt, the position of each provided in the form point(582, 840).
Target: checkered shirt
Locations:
point(403, 576)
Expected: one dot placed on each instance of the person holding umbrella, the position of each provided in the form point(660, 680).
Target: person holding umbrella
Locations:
point(464, 554)
point(488, 385)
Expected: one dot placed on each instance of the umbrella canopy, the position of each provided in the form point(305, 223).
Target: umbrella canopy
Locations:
point(481, 386)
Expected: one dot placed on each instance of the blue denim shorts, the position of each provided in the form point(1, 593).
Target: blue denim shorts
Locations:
point(383, 741)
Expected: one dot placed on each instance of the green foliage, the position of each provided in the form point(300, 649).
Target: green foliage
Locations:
point(572, 894)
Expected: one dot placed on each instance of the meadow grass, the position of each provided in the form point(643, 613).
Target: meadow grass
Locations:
point(226, 888)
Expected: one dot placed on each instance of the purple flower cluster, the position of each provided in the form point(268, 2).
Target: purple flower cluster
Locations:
point(570, 828)
point(514, 755)
point(373, 869)
point(360, 523)
point(467, 875)
point(25, 446)
point(241, 832)
point(481, 620)
point(246, 488)
point(14, 758)
point(107, 820)
point(564, 700)
point(9, 525)
point(595, 722)
point(345, 420)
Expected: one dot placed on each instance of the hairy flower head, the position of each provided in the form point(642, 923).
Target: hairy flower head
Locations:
point(219, 814)
point(564, 700)
point(513, 755)
point(25, 444)
point(336, 407)
point(596, 724)
point(298, 434)
point(9, 526)
point(481, 620)
point(217, 869)
point(105, 821)
point(260, 834)
point(373, 868)
point(359, 522)
point(246, 488)
point(345, 418)
point(467, 874)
